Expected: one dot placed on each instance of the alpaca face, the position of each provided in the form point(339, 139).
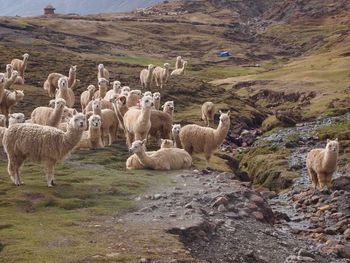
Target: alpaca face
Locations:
point(225, 118)
point(137, 146)
point(166, 65)
point(169, 106)
point(125, 89)
point(9, 67)
point(156, 96)
point(73, 68)
point(96, 104)
point(14, 74)
point(178, 58)
point(151, 67)
point(95, 121)
point(136, 92)
point(63, 83)
point(26, 56)
point(167, 143)
point(147, 93)
point(91, 88)
point(102, 82)
point(60, 103)
point(176, 129)
point(78, 122)
point(147, 102)
point(17, 118)
point(332, 146)
point(101, 66)
point(116, 84)
point(19, 95)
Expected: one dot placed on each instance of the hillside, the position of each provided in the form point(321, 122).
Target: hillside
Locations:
point(82, 7)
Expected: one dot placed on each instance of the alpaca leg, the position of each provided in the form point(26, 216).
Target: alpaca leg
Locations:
point(12, 169)
point(48, 169)
point(20, 161)
point(322, 179)
point(207, 158)
point(188, 148)
point(128, 136)
point(313, 177)
point(329, 181)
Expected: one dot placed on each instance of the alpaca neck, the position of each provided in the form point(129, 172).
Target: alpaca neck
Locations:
point(101, 72)
point(330, 158)
point(64, 92)
point(144, 159)
point(11, 98)
point(177, 141)
point(91, 94)
point(97, 111)
point(71, 138)
point(103, 91)
point(145, 115)
point(170, 113)
point(95, 136)
point(8, 73)
point(220, 133)
point(149, 76)
point(56, 116)
point(71, 78)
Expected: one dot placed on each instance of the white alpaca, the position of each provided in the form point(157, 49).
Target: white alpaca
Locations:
point(133, 98)
point(208, 113)
point(175, 131)
point(197, 139)
point(114, 91)
point(169, 107)
point(3, 121)
point(180, 71)
point(102, 88)
point(86, 96)
point(161, 75)
point(156, 100)
point(137, 122)
point(13, 119)
point(163, 159)
point(146, 76)
point(102, 72)
point(41, 144)
point(91, 139)
point(12, 80)
point(179, 62)
point(64, 92)
point(20, 65)
point(49, 116)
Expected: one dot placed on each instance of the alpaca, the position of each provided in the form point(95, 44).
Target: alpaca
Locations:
point(20, 65)
point(102, 72)
point(208, 113)
point(114, 91)
point(161, 124)
point(197, 139)
point(163, 159)
point(168, 107)
point(322, 163)
point(156, 100)
point(49, 116)
point(104, 105)
point(120, 108)
point(133, 162)
point(41, 144)
point(133, 98)
point(86, 96)
point(109, 120)
point(137, 122)
point(91, 139)
point(125, 90)
point(51, 84)
point(10, 99)
point(9, 69)
point(102, 88)
point(147, 93)
point(13, 119)
point(161, 75)
point(2, 120)
point(2, 88)
point(64, 92)
point(180, 71)
point(179, 62)
point(146, 76)
point(12, 80)
point(175, 131)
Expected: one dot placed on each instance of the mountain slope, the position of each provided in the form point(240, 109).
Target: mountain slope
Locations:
point(83, 7)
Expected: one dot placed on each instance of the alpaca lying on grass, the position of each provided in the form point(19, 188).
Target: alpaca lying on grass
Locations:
point(208, 113)
point(41, 144)
point(197, 139)
point(322, 163)
point(163, 159)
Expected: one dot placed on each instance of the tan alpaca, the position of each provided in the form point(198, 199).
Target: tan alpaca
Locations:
point(116, 88)
point(86, 96)
point(102, 88)
point(180, 71)
point(322, 163)
point(12, 80)
point(208, 113)
point(102, 72)
point(2, 88)
point(179, 62)
point(51, 83)
point(146, 76)
point(91, 139)
point(10, 99)
point(20, 65)
point(175, 131)
point(64, 92)
point(156, 100)
point(49, 116)
point(161, 75)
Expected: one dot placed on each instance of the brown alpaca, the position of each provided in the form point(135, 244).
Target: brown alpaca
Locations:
point(322, 163)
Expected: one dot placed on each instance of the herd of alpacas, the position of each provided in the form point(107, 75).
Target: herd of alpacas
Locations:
point(54, 131)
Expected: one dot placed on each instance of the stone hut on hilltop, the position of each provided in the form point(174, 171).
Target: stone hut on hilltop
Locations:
point(49, 10)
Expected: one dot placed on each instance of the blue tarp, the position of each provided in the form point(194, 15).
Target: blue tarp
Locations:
point(223, 54)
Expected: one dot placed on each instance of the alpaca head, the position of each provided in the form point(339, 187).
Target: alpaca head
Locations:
point(102, 82)
point(136, 92)
point(25, 56)
point(73, 69)
point(179, 58)
point(166, 143)
point(166, 65)
point(116, 85)
point(63, 82)
point(176, 129)
point(19, 95)
point(156, 96)
point(333, 145)
point(137, 146)
point(125, 89)
point(146, 102)
point(60, 103)
point(2, 120)
point(9, 67)
point(68, 113)
point(147, 93)
point(101, 66)
point(14, 74)
point(225, 118)
point(2, 78)
point(91, 88)
point(169, 106)
point(95, 121)
point(185, 63)
point(151, 67)
point(113, 98)
point(78, 122)
point(16, 118)
point(96, 104)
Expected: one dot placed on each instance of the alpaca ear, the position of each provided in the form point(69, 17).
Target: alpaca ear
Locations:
point(162, 106)
point(327, 140)
point(336, 139)
point(143, 142)
point(162, 140)
point(75, 112)
point(220, 111)
point(228, 112)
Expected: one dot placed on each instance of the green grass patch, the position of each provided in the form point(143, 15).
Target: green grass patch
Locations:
point(340, 130)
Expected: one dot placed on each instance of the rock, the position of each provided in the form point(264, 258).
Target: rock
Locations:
point(305, 259)
point(112, 255)
point(145, 260)
point(341, 183)
point(222, 208)
point(304, 253)
point(344, 251)
point(222, 200)
point(258, 216)
point(189, 205)
point(347, 234)
point(257, 200)
point(157, 196)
